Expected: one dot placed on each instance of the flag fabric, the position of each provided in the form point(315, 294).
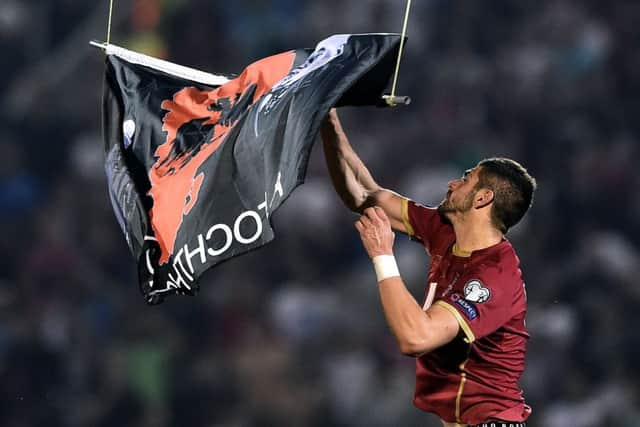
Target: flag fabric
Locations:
point(198, 163)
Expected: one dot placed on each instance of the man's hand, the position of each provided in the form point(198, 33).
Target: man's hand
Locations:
point(331, 120)
point(375, 231)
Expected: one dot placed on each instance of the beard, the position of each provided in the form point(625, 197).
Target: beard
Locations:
point(447, 206)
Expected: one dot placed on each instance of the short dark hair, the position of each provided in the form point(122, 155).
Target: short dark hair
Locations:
point(512, 187)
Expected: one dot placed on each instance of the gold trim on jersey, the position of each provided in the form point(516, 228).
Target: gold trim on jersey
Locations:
point(463, 323)
point(404, 204)
point(460, 252)
point(463, 380)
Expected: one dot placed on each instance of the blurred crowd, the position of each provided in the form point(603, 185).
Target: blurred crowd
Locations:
point(293, 334)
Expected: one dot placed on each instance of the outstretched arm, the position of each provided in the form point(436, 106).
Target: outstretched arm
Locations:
point(351, 178)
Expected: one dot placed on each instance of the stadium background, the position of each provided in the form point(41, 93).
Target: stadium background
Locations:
point(293, 335)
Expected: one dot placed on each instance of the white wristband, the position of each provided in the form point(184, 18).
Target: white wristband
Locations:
point(385, 266)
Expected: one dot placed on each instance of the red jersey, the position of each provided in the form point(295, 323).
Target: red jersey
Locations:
point(474, 378)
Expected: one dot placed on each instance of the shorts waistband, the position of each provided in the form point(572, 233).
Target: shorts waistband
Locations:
point(488, 424)
point(500, 424)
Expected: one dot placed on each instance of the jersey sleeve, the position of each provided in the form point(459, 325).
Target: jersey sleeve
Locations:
point(424, 224)
point(486, 301)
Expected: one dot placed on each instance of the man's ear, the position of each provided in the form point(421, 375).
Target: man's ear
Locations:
point(484, 197)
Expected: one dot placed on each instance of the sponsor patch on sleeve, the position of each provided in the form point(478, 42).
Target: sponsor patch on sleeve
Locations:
point(467, 307)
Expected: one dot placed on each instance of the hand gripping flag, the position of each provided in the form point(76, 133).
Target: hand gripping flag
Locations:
point(197, 163)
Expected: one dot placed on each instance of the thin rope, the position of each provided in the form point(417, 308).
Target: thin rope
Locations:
point(109, 22)
point(404, 33)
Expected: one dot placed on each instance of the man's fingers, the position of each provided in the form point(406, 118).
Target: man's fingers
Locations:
point(368, 212)
point(359, 226)
point(366, 221)
point(374, 217)
point(378, 215)
point(381, 213)
point(371, 213)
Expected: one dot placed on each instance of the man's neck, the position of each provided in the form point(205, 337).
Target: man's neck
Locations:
point(472, 236)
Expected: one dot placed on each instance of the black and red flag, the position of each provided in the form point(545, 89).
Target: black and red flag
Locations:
point(197, 163)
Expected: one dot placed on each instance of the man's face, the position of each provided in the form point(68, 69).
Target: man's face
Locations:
point(459, 198)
